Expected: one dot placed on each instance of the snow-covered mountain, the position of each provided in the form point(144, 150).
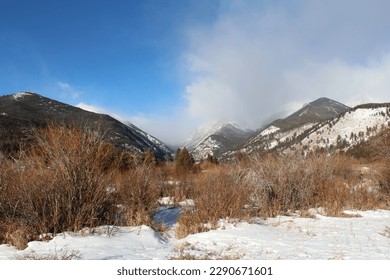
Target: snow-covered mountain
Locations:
point(312, 128)
point(347, 130)
point(199, 135)
point(280, 131)
point(21, 112)
point(215, 139)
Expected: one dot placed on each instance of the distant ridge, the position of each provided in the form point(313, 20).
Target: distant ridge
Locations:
point(216, 139)
point(23, 111)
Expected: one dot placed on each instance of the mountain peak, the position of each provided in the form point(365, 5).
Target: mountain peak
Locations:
point(207, 130)
point(215, 139)
point(19, 95)
point(318, 110)
point(22, 94)
point(324, 101)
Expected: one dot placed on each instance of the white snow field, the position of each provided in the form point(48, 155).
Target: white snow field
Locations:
point(365, 235)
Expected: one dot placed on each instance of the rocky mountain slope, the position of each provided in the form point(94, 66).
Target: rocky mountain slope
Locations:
point(21, 112)
point(322, 125)
point(280, 131)
point(347, 130)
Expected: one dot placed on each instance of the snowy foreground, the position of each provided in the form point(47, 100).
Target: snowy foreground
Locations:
point(364, 235)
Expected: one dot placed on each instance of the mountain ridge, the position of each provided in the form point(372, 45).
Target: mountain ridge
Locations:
point(27, 110)
point(347, 128)
point(215, 139)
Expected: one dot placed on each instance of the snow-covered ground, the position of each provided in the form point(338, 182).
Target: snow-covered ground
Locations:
point(364, 235)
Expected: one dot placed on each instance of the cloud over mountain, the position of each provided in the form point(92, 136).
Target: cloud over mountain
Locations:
point(262, 55)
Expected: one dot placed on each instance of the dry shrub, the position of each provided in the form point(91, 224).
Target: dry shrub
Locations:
point(271, 185)
point(383, 176)
point(74, 183)
point(19, 235)
point(285, 183)
point(190, 223)
point(72, 179)
point(380, 146)
point(217, 195)
point(138, 192)
point(63, 183)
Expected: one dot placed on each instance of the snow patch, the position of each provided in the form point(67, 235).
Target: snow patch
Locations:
point(19, 95)
point(269, 130)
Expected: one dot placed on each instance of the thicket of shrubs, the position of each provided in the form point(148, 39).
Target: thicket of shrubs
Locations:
point(71, 179)
point(271, 185)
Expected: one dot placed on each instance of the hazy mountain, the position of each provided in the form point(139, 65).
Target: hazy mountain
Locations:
point(21, 112)
point(215, 139)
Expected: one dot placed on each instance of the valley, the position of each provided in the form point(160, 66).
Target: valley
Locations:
point(75, 184)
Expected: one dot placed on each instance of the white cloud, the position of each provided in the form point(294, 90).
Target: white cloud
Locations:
point(348, 83)
point(258, 57)
point(100, 110)
point(68, 90)
point(92, 108)
point(170, 130)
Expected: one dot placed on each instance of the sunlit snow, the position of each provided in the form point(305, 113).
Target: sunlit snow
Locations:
point(364, 235)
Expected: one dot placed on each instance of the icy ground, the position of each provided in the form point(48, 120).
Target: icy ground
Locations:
point(365, 235)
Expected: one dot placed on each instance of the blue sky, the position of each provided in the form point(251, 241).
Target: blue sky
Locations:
point(170, 66)
point(120, 54)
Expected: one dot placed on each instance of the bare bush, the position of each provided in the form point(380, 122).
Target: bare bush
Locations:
point(271, 185)
point(283, 183)
point(217, 195)
point(380, 147)
point(286, 183)
point(71, 179)
point(138, 192)
point(63, 183)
